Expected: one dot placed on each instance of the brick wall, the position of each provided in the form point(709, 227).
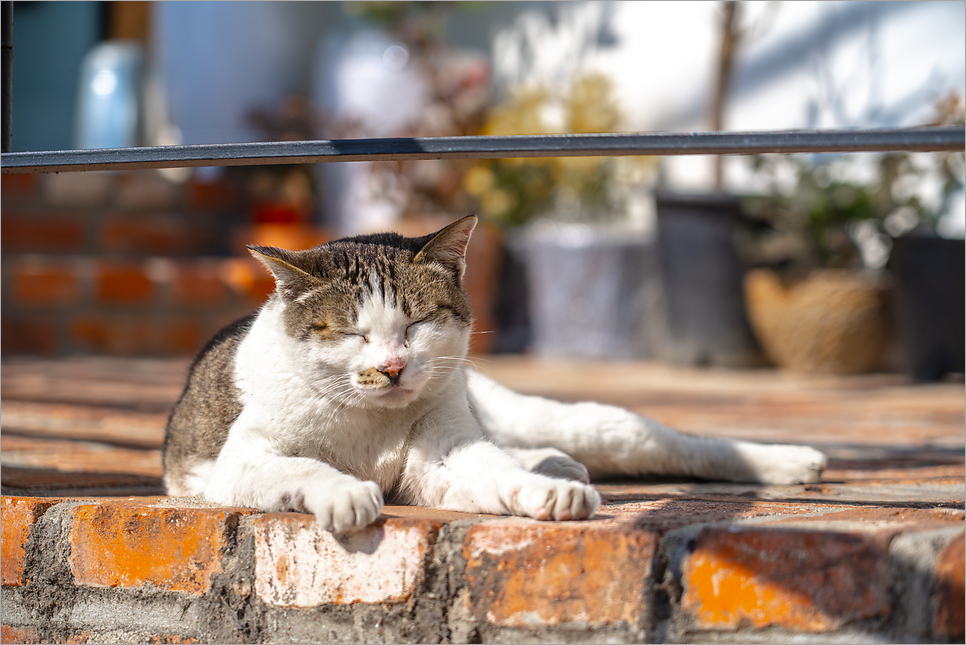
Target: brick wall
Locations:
point(129, 262)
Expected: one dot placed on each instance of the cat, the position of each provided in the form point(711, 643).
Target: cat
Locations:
point(350, 385)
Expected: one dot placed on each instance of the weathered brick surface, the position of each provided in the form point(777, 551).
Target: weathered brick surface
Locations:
point(18, 514)
point(18, 186)
point(297, 564)
point(802, 580)
point(28, 335)
point(523, 573)
point(18, 635)
point(950, 619)
point(131, 545)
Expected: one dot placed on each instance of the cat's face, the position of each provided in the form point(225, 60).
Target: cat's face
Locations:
point(378, 320)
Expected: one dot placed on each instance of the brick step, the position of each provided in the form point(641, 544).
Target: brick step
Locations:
point(168, 570)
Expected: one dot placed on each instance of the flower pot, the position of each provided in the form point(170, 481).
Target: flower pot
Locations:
point(928, 305)
point(702, 277)
point(590, 292)
point(833, 321)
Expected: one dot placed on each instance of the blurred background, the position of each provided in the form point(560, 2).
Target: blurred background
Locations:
point(815, 263)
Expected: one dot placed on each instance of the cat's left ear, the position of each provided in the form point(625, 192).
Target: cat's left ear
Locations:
point(448, 246)
point(290, 280)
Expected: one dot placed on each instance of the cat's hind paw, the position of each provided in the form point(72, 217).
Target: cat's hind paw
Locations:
point(794, 465)
point(347, 507)
point(556, 500)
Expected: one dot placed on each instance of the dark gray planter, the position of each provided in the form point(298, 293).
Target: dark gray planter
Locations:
point(702, 278)
point(929, 281)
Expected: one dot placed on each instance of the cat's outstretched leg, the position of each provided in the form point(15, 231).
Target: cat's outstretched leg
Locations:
point(550, 462)
point(248, 473)
point(612, 441)
point(452, 466)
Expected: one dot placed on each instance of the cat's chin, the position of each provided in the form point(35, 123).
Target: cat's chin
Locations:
point(394, 397)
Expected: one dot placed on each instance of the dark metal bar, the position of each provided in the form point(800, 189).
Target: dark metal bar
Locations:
point(564, 145)
point(6, 69)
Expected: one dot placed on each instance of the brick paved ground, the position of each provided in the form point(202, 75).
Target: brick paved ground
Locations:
point(874, 552)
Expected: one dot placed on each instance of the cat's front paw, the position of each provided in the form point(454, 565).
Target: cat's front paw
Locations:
point(348, 506)
point(556, 500)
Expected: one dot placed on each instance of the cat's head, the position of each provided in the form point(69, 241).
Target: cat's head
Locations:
point(377, 318)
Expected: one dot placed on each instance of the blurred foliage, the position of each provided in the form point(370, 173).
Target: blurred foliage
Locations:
point(822, 220)
point(514, 191)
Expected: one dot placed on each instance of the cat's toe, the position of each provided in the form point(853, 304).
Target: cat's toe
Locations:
point(798, 465)
point(348, 508)
point(559, 501)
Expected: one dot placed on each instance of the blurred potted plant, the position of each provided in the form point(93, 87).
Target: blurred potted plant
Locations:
point(576, 250)
point(813, 303)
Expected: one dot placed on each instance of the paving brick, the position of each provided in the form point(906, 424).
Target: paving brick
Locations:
point(950, 619)
point(297, 564)
point(131, 545)
point(523, 573)
point(127, 283)
point(801, 580)
point(45, 283)
point(17, 515)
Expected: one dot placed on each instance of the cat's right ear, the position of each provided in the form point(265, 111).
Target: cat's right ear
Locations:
point(290, 280)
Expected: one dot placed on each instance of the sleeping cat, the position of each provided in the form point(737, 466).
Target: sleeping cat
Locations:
point(351, 385)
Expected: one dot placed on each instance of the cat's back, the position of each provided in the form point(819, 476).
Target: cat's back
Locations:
point(210, 403)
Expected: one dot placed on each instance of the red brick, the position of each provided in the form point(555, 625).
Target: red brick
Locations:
point(45, 283)
point(134, 546)
point(79, 189)
point(297, 564)
point(18, 514)
point(18, 186)
point(159, 236)
point(28, 336)
point(123, 284)
point(950, 619)
point(801, 580)
point(198, 284)
point(523, 573)
point(42, 232)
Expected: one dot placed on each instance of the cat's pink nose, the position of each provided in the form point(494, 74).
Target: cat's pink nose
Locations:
point(392, 367)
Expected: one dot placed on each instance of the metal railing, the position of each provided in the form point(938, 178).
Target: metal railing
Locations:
point(925, 139)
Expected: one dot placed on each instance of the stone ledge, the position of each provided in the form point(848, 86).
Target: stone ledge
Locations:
point(170, 570)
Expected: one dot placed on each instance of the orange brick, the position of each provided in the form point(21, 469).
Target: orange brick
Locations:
point(44, 283)
point(131, 545)
point(123, 284)
point(950, 619)
point(181, 337)
point(297, 564)
point(153, 236)
point(217, 195)
point(18, 634)
point(247, 278)
point(112, 335)
point(801, 580)
point(18, 515)
point(523, 573)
